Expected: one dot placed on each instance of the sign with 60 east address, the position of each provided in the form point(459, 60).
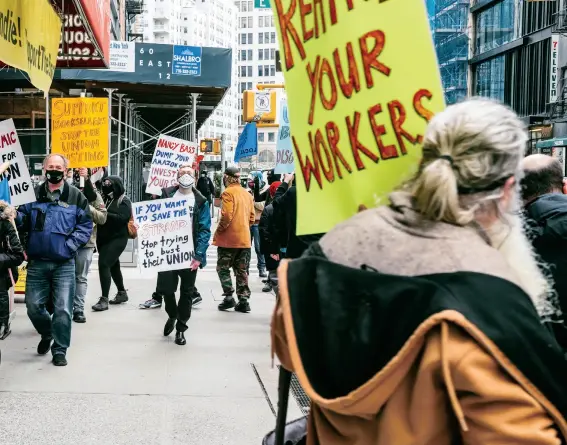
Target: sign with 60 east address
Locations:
point(187, 60)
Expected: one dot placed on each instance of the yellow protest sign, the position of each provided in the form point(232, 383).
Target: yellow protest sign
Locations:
point(79, 130)
point(30, 31)
point(362, 81)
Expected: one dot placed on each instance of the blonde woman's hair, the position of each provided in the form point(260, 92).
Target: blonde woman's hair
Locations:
point(469, 151)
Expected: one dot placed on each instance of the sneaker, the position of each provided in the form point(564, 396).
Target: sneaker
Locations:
point(263, 274)
point(227, 303)
point(197, 300)
point(242, 306)
point(121, 297)
point(169, 326)
point(150, 304)
point(59, 360)
point(44, 345)
point(79, 317)
point(267, 287)
point(5, 330)
point(102, 305)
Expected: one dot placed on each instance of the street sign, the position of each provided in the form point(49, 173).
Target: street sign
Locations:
point(262, 4)
point(187, 60)
point(262, 103)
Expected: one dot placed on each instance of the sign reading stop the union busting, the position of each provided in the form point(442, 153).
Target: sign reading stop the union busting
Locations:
point(362, 82)
point(170, 154)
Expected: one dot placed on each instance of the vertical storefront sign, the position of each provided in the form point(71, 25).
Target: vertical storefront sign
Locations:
point(79, 130)
point(553, 69)
point(284, 149)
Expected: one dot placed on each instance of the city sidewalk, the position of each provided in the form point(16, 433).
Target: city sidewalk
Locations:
point(127, 384)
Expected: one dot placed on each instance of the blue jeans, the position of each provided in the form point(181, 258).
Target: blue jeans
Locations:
point(56, 279)
point(83, 262)
point(255, 234)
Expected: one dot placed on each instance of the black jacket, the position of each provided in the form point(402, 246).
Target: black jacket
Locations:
point(285, 211)
point(206, 188)
point(547, 220)
point(11, 250)
point(119, 211)
point(269, 244)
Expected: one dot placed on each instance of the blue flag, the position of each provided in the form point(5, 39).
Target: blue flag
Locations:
point(4, 190)
point(247, 142)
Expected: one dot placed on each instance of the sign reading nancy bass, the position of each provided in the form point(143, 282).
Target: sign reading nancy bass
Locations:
point(18, 176)
point(361, 86)
point(79, 130)
point(170, 154)
point(29, 38)
point(165, 234)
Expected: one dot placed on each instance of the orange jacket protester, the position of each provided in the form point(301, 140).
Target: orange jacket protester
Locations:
point(237, 215)
point(422, 337)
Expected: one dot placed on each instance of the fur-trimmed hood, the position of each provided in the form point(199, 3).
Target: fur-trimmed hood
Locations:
point(6, 211)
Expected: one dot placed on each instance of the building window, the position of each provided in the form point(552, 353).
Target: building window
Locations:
point(266, 37)
point(250, 6)
point(495, 26)
point(272, 70)
point(260, 137)
point(244, 6)
point(243, 39)
point(250, 55)
point(260, 22)
point(250, 38)
point(260, 54)
point(260, 38)
point(260, 71)
point(271, 136)
point(249, 69)
point(243, 71)
point(273, 37)
point(489, 77)
point(249, 85)
point(273, 54)
point(243, 22)
point(266, 70)
point(266, 54)
point(243, 54)
point(242, 87)
point(250, 22)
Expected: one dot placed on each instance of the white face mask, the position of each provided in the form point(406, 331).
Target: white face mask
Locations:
point(186, 181)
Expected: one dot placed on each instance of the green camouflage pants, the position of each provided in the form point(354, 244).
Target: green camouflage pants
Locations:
point(239, 261)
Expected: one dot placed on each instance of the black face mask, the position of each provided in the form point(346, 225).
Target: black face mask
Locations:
point(107, 190)
point(54, 176)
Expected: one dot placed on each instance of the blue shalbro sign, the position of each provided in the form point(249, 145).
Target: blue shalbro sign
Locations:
point(186, 60)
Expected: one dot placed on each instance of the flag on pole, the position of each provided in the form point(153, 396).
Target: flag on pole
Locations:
point(247, 142)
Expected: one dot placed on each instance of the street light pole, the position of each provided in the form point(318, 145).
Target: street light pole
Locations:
point(109, 91)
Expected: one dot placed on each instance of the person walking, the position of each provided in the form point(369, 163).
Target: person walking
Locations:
point(232, 239)
point(179, 313)
point(269, 241)
point(85, 254)
point(545, 207)
point(420, 322)
point(111, 241)
point(58, 224)
point(206, 188)
point(11, 256)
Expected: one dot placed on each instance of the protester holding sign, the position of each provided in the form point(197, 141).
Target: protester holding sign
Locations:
point(234, 242)
point(111, 241)
point(58, 224)
point(11, 256)
point(83, 181)
point(198, 208)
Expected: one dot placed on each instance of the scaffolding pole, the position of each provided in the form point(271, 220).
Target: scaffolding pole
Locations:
point(109, 91)
point(47, 127)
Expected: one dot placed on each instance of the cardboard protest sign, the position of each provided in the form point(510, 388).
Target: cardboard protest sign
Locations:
point(165, 234)
point(284, 150)
point(169, 155)
point(362, 82)
point(79, 130)
point(18, 176)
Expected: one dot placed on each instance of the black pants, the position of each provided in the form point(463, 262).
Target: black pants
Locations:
point(180, 311)
point(109, 264)
point(4, 307)
point(162, 283)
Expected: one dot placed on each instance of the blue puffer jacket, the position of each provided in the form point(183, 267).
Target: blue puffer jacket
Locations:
point(201, 223)
point(56, 230)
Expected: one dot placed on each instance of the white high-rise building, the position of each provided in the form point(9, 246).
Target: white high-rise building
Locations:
point(257, 45)
point(208, 23)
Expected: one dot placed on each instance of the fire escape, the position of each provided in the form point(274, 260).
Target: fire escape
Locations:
point(134, 8)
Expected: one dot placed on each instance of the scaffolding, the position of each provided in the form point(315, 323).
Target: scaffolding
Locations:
point(451, 36)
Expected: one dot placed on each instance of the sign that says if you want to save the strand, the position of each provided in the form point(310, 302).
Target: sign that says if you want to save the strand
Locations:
point(362, 82)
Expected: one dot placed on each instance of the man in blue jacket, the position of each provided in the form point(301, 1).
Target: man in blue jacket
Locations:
point(58, 224)
point(179, 313)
